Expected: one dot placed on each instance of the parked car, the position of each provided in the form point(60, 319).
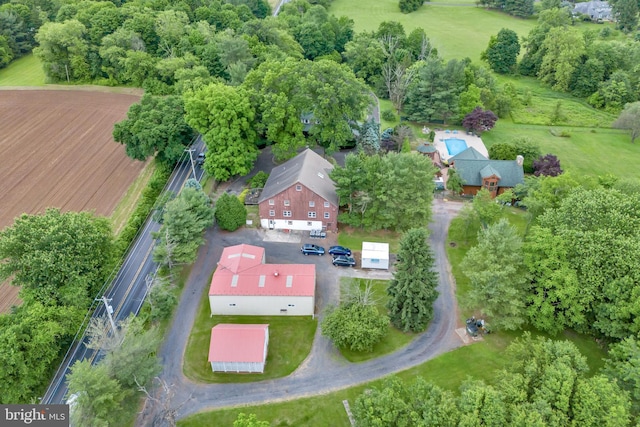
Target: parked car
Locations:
point(339, 250)
point(309, 249)
point(344, 261)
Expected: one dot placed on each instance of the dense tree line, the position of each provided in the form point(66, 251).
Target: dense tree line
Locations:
point(587, 64)
point(546, 383)
point(60, 261)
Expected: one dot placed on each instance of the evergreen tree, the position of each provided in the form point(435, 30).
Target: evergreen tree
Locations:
point(413, 287)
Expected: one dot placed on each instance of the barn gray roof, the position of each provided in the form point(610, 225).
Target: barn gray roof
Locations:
point(307, 168)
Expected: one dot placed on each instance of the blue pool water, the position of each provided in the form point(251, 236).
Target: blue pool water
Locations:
point(455, 145)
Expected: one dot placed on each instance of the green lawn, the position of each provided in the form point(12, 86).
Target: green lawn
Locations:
point(457, 32)
point(290, 340)
point(25, 71)
point(394, 340)
point(448, 371)
point(353, 238)
point(587, 152)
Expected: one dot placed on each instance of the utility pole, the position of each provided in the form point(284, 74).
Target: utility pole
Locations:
point(193, 168)
point(109, 310)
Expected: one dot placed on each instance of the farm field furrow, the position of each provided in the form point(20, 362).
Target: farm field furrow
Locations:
point(57, 151)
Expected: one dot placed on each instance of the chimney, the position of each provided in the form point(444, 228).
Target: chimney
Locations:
point(519, 160)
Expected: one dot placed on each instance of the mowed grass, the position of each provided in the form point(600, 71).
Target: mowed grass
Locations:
point(26, 71)
point(457, 32)
point(394, 340)
point(587, 152)
point(128, 203)
point(353, 237)
point(479, 361)
point(290, 340)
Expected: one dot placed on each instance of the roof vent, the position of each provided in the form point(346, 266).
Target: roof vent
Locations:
point(320, 175)
point(275, 273)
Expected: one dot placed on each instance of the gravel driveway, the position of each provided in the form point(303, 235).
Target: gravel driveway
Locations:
point(325, 370)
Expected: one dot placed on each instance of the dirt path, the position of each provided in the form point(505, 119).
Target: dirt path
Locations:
point(324, 370)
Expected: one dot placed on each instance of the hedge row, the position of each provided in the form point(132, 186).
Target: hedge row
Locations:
point(146, 204)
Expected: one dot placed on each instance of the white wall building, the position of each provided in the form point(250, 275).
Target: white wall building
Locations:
point(375, 255)
point(238, 348)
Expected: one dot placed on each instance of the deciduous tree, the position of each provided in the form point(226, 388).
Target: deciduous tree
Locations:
point(629, 119)
point(479, 120)
point(224, 117)
point(412, 290)
point(355, 326)
point(62, 50)
point(496, 270)
point(155, 126)
point(547, 165)
point(230, 212)
point(502, 52)
point(57, 258)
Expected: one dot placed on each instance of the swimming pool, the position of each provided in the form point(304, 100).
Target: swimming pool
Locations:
point(455, 145)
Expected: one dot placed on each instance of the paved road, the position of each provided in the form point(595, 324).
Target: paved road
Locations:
point(324, 370)
point(126, 291)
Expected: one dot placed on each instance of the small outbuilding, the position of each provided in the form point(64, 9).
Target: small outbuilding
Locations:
point(375, 255)
point(238, 348)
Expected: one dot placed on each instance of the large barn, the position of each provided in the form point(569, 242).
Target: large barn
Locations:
point(238, 348)
point(299, 195)
point(243, 284)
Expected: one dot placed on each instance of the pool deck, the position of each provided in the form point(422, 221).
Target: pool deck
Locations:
point(471, 140)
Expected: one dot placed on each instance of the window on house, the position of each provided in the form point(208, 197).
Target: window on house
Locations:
point(326, 204)
point(312, 203)
point(326, 215)
point(287, 203)
point(311, 214)
point(298, 187)
point(286, 214)
point(272, 213)
point(272, 202)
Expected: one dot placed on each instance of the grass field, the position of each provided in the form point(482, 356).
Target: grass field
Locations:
point(457, 32)
point(25, 71)
point(353, 238)
point(290, 340)
point(394, 340)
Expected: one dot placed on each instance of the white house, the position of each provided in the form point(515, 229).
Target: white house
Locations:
point(244, 285)
point(375, 255)
point(238, 348)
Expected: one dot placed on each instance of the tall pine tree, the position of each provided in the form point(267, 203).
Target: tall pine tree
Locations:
point(413, 288)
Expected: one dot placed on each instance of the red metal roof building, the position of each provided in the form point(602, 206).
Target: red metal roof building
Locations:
point(243, 284)
point(238, 348)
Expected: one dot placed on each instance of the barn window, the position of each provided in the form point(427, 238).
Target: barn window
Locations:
point(311, 214)
point(272, 213)
point(326, 215)
point(289, 222)
point(292, 305)
point(283, 310)
point(286, 214)
point(298, 187)
point(232, 305)
point(326, 204)
point(312, 203)
point(272, 202)
point(287, 202)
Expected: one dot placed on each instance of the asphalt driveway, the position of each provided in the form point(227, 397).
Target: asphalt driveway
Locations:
point(324, 370)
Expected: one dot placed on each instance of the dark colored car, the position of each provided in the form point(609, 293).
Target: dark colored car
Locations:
point(339, 250)
point(344, 261)
point(309, 249)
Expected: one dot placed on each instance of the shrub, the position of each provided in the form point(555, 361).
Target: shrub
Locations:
point(408, 6)
point(259, 180)
point(389, 116)
point(230, 212)
point(242, 196)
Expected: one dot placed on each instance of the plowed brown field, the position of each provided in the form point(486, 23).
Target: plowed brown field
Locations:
point(56, 150)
